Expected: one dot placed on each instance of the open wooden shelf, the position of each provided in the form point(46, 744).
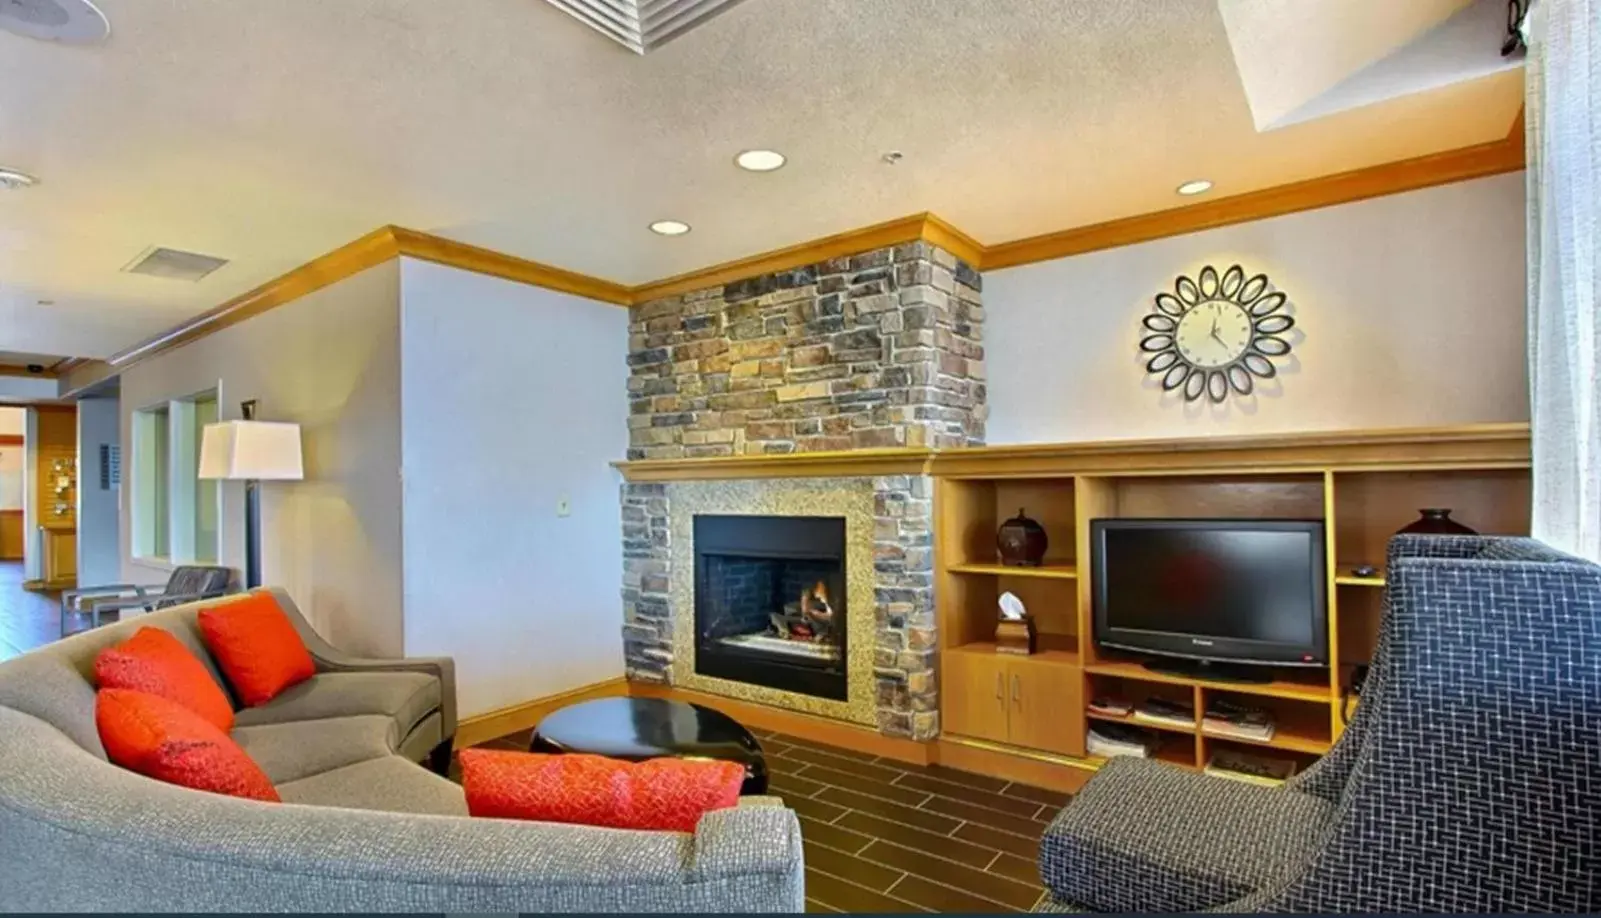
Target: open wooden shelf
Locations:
point(1344, 575)
point(1298, 691)
point(1132, 721)
point(1056, 571)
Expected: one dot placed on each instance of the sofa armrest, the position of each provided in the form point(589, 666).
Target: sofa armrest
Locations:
point(330, 659)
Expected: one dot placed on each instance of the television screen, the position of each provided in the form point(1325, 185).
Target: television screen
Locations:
point(1240, 590)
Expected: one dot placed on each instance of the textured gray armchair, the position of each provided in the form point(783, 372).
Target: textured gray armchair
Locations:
point(1465, 782)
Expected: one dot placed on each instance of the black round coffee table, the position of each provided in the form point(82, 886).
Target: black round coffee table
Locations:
point(636, 729)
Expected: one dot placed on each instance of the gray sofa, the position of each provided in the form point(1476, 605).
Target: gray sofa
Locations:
point(362, 826)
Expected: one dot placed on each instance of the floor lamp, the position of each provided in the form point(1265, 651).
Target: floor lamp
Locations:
point(251, 451)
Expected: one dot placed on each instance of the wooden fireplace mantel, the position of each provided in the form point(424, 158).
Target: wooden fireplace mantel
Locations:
point(1468, 446)
point(843, 464)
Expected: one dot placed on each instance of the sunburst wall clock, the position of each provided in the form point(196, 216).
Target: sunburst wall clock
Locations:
point(1214, 336)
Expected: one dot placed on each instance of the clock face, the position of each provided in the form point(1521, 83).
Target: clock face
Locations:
point(1216, 335)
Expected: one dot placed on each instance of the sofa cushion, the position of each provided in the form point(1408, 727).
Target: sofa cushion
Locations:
point(1144, 836)
point(47, 686)
point(162, 739)
point(257, 647)
point(291, 751)
point(406, 697)
point(390, 784)
point(659, 794)
point(154, 661)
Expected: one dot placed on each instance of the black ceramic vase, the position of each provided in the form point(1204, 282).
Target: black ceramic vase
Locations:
point(1436, 521)
point(1021, 542)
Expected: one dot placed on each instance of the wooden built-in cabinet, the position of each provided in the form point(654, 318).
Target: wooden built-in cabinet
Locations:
point(1364, 486)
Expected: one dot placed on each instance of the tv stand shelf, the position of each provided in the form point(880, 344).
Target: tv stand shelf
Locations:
point(1363, 485)
point(1278, 688)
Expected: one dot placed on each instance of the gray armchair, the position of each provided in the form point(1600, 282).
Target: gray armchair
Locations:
point(1465, 782)
point(186, 584)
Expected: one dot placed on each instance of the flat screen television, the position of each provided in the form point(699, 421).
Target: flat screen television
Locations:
point(1215, 591)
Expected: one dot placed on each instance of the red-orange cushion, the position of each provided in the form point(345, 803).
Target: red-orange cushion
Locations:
point(156, 662)
point(162, 739)
point(256, 647)
point(659, 794)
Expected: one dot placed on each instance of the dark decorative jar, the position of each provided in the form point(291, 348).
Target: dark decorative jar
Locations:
point(1021, 542)
point(1435, 521)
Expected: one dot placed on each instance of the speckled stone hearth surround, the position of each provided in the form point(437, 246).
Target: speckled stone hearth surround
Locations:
point(889, 590)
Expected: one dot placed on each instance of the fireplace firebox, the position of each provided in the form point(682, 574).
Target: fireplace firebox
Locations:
point(770, 602)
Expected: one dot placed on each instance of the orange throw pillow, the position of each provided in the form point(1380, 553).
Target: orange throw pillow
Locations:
point(156, 662)
point(659, 794)
point(256, 646)
point(162, 739)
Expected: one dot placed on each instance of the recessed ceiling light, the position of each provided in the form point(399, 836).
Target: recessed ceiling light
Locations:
point(13, 178)
point(669, 227)
point(1199, 186)
point(760, 160)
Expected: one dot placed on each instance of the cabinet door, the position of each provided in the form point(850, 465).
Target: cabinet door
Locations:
point(1046, 702)
point(973, 693)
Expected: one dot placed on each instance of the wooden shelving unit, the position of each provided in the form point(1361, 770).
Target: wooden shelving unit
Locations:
point(1364, 487)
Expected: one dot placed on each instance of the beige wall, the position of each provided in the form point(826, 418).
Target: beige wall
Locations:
point(1409, 308)
point(331, 362)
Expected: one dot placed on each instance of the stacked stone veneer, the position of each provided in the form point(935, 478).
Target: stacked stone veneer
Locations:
point(903, 698)
point(874, 350)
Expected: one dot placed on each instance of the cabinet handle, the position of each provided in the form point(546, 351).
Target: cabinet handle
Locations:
point(1017, 690)
point(1000, 687)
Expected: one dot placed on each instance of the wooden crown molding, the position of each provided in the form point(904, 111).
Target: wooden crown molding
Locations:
point(925, 227)
point(1479, 161)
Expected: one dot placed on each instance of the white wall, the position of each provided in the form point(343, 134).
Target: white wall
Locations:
point(513, 398)
point(331, 362)
point(1411, 309)
point(99, 548)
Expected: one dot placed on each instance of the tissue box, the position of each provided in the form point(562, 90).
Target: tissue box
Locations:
point(1015, 636)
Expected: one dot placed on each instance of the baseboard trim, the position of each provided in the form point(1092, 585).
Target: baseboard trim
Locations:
point(481, 728)
point(1041, 769)
point(806, 726)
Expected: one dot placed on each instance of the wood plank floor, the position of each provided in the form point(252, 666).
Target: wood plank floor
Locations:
point(27, 620)
point(885, 836)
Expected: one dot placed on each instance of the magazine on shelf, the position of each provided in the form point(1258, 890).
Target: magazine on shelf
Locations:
point(1245, 766)
point(1160, 711)
point(1113, 707)
point(1228, 718)
point(1116, 739)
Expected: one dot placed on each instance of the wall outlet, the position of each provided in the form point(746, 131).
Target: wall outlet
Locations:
point(564, 506)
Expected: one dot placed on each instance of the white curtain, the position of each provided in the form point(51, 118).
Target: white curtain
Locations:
point(1563, 115)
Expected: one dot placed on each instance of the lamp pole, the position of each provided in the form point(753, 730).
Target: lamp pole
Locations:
point(252, 515)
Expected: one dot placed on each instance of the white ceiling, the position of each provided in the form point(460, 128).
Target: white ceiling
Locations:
point(270, 133)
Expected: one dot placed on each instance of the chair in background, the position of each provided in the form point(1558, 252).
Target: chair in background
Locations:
point(187, 584)
point(1463, 783)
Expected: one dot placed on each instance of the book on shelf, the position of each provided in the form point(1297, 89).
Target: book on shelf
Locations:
point(1228, 718)
point(1249, 767)
point(1110, 740)
point(1161, 711)
point(1110, 706)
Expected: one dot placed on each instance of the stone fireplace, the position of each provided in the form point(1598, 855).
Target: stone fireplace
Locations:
point(861, 353)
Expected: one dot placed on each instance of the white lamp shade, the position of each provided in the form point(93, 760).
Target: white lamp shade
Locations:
point(264, 450)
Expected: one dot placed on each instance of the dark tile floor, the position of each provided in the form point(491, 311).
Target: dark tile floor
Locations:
point(27, 620)
point(884, 836)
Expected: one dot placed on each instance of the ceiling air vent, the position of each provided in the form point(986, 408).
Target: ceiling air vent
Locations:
point(174, 265)
point(641, 25)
